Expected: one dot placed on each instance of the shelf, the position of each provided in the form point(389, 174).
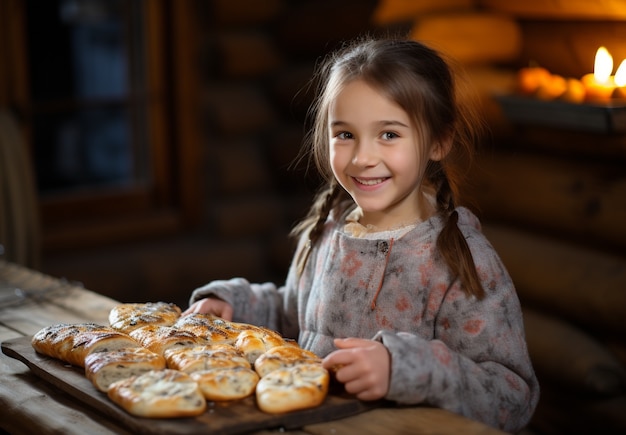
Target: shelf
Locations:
point(597, 118)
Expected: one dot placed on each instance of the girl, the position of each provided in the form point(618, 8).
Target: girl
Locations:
point(392, 282)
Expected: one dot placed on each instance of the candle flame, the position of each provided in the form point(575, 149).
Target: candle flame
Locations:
point(603, 66)
point(620, 75)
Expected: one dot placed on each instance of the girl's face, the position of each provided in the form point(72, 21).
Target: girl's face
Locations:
point(377, 156)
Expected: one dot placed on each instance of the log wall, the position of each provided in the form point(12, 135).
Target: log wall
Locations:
point(552, 197)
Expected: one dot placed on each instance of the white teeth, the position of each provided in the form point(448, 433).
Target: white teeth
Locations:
point(370, 182)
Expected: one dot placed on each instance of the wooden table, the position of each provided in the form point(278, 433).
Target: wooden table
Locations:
point(29, 405)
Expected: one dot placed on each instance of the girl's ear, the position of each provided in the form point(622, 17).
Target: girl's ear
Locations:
point(441, 149)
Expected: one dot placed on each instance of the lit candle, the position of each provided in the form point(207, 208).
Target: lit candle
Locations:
point(600, 84)
point(620, 81)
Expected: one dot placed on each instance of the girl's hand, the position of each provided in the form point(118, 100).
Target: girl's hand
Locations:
point(363, 367)
point(214, 306)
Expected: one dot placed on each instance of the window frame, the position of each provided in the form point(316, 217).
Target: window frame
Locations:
point(172, 201)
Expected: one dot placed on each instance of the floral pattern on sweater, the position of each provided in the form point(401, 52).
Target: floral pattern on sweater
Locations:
point(449, 350)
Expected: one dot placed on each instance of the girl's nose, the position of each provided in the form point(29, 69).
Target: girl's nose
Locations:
point(364, 155)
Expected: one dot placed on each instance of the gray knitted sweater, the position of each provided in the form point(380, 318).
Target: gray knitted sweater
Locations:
point(448, 350)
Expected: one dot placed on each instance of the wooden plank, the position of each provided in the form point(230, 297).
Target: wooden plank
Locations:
point(404, 420)
point(560, 9)
point(471, 38)
point(583, 285)
point(579, 199)
point(49, 301)
point(39, 401)
point(564, 354)
point(220, 418)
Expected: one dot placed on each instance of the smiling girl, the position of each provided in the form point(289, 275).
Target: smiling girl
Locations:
point(393, 282)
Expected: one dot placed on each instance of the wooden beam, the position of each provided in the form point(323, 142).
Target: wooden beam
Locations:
point(575, 199)
point(581, 285)
point(471, 38)
point(186, 104)
point(560, 9)
point(393, 11)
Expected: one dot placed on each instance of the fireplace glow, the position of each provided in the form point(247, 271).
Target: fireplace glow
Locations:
point(620, 81)
point(603, 66)
point(600, 84)
point(620, 75)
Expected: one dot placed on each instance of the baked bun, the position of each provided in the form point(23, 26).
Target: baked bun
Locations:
point(207, 326)
point(255, 342)
point(293, 388)
point(282, 357)
point(72, 343)
point(128, 317)
point(159, 394)
point(226, 383)
point(221, 371)
point(105, 368)
point(161, 338)
point(207, 357)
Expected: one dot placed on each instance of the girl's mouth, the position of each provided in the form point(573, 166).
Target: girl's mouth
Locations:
point(370, 181)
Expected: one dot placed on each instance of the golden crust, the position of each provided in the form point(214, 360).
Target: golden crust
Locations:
point(255, 342)
point(205, 358)
point(159, 394)
point(284, 356)
point(168, 365)
point(128, 317)
point(221, 371)
point(72, 343)
point(293, 388)
point(227, 383)
point(207, 326)
point(106, 368)
point(161, 338)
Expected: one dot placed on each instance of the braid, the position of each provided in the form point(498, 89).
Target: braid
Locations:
point(451, 242)
point(314, 222)
point(437, 176)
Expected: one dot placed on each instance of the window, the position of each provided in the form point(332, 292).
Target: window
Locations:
point(88, 91)
point(96, 85)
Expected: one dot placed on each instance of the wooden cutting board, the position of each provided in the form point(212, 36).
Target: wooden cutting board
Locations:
point(220, 418)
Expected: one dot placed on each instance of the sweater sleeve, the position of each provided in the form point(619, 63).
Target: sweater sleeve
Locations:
point(477, 363)
point(262, 304)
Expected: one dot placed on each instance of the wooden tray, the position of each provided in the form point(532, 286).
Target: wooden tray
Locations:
point(220, 418)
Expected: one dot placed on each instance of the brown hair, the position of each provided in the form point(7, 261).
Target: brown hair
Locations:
point(419, 80)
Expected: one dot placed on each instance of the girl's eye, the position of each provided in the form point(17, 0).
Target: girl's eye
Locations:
point(344, 135)
point(388, 135)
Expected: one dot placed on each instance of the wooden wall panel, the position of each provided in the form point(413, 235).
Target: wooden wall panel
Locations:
point(576, 200)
